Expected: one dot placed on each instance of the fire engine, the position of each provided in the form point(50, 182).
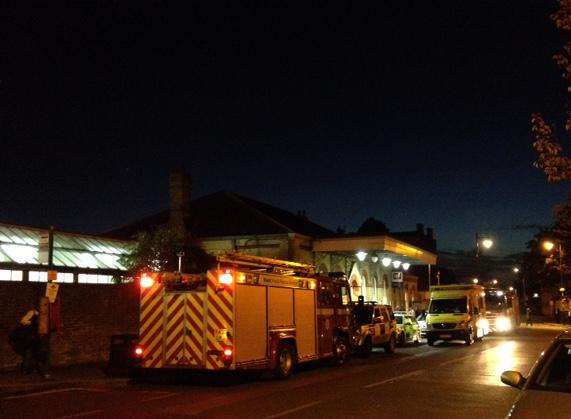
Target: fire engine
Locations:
point(247, 313)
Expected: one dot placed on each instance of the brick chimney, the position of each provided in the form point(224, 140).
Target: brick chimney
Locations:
point(179, 191)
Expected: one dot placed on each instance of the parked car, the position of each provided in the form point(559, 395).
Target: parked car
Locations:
point(408, 329)
point(546, 392)
point(375, 326)
point(421, 319)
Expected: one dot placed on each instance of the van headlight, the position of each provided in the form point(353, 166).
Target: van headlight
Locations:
point(503, 324)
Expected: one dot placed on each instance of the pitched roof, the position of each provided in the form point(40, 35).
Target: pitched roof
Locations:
point(228, 214)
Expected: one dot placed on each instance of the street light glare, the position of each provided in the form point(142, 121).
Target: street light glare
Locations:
point(548, 245)
point(487, 243)
point(475, 280)
point(516, 269)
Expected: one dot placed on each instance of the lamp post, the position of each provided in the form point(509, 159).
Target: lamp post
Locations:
point(549, 245)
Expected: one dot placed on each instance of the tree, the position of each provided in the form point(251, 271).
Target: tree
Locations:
point(555, 166)
point(157, 250)
point(373, 226)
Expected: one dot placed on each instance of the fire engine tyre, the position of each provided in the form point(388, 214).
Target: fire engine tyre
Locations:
point(285, 361)
point(390, 345)
point(430, 341)
point(340, 350)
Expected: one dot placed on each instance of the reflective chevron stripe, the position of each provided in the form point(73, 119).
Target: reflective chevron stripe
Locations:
point(194, 324)
point(220, 317)
point(151, 325)
point(174, 328)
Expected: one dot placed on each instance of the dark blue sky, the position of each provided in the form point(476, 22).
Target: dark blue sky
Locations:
point(407, 111)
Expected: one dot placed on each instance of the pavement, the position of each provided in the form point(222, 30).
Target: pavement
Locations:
point(449, 380)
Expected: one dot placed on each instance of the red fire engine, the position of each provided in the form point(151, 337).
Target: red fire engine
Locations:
point(247, 313)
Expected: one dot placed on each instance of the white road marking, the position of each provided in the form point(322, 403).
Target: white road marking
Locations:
point(58, 390)
point(82, 414)
point(98, 411)
point(164, 396)
point(397, 378)
point(295, 409)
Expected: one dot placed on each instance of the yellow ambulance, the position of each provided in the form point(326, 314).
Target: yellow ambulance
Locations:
point(456, 312)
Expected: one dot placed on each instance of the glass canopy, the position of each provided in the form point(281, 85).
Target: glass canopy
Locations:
point(21, 245)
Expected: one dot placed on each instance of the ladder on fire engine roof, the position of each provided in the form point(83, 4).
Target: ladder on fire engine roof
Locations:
point(241, 259)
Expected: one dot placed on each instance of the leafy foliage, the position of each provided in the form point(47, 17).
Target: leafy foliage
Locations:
point(157, 251)
point(555, 166)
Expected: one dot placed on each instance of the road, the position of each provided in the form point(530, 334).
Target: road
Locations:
point(449, 380)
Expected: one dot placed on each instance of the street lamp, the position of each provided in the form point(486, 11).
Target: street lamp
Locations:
point(475, 280)
point(487, 243)
point(549, 245)
point(515, 269)
point(494, 281)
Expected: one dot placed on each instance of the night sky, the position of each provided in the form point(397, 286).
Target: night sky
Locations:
point(409, 111)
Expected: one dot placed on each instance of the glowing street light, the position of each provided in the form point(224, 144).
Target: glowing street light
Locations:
point(374, 259)
point(562, 290)
point(495, 281)
point(405, 266)
point(475, 280)
point(515, 269)
point(386, 262)
point(396, 263)
point(511, 288)
point(535, 295)
point(361, 255)
point(548, 245)
point(487, 243)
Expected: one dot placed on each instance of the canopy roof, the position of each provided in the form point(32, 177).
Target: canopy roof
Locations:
point(21, 245)
point(381, 246)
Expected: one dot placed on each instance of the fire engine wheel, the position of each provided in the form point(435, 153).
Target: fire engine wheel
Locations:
point(390, 345)
point(340, 350)
point(402, 339)
point(284, 367)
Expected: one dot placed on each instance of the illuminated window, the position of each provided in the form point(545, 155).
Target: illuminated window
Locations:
point(7, 275)
point(36, 276)
point(94, 279)
point(65, 277)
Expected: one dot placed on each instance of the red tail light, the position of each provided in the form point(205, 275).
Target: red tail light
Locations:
point(138, 351)
point(227, 356)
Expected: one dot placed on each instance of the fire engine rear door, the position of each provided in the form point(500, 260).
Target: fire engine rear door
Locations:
point(184, 337)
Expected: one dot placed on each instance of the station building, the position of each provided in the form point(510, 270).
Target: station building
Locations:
point(379, 267)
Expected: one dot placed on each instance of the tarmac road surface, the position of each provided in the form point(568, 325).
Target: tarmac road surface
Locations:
point(450, 380)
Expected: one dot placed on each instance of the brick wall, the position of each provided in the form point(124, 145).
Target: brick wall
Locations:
point(90, 315)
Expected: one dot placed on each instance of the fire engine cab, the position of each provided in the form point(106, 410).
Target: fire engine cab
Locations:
point(248, 312)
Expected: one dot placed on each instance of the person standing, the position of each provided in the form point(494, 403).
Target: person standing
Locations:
point(24, 340)
point(528, 319)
